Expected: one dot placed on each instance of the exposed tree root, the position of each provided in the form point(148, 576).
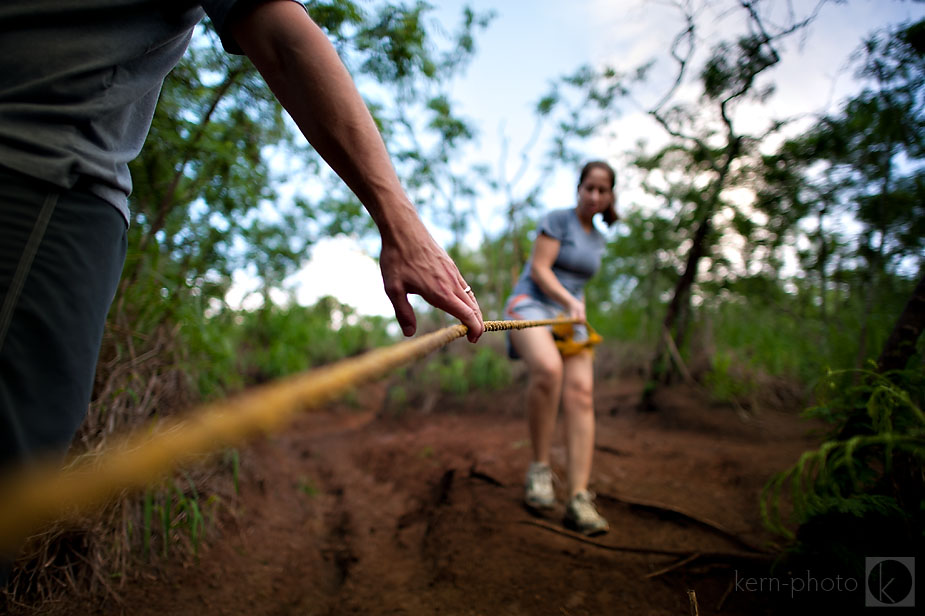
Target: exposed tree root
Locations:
point(671, 511)
point(686, 557)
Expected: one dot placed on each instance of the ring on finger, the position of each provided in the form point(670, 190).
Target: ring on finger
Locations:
point(468, 289)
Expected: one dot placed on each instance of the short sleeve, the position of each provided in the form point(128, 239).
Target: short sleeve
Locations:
point(222, 14)
point(554, 225)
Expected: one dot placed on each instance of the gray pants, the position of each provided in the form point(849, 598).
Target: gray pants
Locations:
point(61, 256)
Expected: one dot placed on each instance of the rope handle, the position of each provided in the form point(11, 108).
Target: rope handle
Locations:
point(45, 493)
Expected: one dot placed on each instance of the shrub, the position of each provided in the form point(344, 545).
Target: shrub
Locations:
point(862, 492)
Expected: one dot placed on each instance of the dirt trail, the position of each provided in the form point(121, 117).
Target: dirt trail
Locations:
point(351, 511)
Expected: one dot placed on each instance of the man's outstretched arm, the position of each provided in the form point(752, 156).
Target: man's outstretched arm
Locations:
point(305, 73)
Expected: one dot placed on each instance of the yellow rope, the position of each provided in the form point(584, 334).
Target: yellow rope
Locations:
point(40, 495)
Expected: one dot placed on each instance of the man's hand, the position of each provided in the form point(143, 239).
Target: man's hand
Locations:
point(416, 264)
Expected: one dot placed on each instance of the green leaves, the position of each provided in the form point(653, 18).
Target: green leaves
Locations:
point(338, 18)
point(868, 472)
point(732, 68)
point(395, 44)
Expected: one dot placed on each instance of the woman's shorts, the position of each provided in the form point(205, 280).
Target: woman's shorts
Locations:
point(527, 308)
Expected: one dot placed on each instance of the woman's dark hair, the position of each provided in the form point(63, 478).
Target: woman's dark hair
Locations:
point(610, 214)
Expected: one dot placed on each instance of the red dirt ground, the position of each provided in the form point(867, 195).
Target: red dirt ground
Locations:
point(361, 510)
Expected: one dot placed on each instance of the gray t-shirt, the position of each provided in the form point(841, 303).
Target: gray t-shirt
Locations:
point(79, 80)
point(579, 258)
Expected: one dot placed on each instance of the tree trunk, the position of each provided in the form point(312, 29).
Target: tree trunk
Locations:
point(900, 346)
point(875, 267)
point(821, 264)
point(659, 370)
point(673, 325)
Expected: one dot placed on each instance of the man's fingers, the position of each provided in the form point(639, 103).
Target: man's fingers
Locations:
point(404, 313)
point(468, 312)
point(468, 297)
point(454, 297)
point(471, 318)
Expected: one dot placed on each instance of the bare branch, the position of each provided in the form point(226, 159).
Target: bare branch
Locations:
point(685, 36)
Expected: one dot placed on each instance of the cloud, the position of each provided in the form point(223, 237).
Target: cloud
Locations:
point(340, 268)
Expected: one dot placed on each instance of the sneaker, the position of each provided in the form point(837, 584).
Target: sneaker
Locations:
point(581, 515)
point(539, 492)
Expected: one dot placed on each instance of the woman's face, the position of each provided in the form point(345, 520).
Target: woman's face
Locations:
point(595, 194)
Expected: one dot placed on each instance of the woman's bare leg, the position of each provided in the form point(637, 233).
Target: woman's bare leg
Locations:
point(578, 410)
point(544, 388)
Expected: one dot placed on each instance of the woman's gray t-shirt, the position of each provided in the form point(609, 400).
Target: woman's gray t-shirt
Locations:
point(579, 258)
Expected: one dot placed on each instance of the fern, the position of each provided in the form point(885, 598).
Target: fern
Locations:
point(867, 476)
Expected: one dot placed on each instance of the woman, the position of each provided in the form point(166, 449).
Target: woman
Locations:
point(567, 253)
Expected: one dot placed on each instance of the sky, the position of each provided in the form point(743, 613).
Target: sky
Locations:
point(530, 42)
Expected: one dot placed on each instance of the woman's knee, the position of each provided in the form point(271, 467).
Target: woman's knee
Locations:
point(546, 374)
point(578, 396)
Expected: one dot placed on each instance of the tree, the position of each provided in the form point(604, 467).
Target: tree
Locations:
point(710, 155)
point(880, 132)
point(901, 345)
point(864, 164)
